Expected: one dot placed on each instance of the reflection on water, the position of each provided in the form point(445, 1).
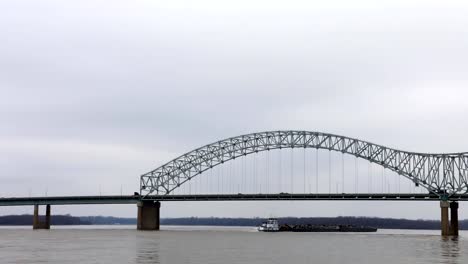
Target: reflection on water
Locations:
point(226, 245)
point(450, 249)
point(147, 251)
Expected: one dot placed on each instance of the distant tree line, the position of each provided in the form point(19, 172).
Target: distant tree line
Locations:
point(54, 220)
point(386, 223)
point(108, 220)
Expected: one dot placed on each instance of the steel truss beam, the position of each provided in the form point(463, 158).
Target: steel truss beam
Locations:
point(442, 174)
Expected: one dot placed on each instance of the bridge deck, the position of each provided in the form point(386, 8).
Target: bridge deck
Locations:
point(132, 199)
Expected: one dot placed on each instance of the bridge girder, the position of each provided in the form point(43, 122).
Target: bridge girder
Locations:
point(443, 174)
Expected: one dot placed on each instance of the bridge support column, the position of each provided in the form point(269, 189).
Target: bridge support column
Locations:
point(148, 215)
point(444, 218)
point(454, 218)
point(37, 223)
point(36, 217)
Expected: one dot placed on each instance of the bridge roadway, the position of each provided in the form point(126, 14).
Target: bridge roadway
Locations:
point(134, 199)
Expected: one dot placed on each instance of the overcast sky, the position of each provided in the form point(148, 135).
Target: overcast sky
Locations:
point(95, 93)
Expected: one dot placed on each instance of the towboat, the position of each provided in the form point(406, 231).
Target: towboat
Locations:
point(271, 225)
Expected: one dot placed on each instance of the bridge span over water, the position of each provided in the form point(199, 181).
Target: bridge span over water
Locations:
point(443, 176)
point(132, 199)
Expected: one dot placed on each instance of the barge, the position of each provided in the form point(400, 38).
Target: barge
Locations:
point(272, 225)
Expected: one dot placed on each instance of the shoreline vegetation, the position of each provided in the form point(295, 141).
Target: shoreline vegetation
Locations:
point(385, 223)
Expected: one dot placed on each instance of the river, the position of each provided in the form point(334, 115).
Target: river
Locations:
point(189, 244)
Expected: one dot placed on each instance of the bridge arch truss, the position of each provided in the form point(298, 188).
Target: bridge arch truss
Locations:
point(444, 174)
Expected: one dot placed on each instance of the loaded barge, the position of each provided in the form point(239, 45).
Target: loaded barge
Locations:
point(272, 226)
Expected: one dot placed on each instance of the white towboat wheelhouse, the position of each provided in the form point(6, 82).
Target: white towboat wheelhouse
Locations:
point(269, 226)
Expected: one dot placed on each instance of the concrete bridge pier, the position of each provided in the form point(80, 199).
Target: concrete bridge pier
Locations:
point(444, 218)
point(148, 215)
point(37, 223)
point(454, 218)
point(449, 228)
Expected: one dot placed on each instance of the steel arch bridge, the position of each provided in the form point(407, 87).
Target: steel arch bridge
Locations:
point(444, 174)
